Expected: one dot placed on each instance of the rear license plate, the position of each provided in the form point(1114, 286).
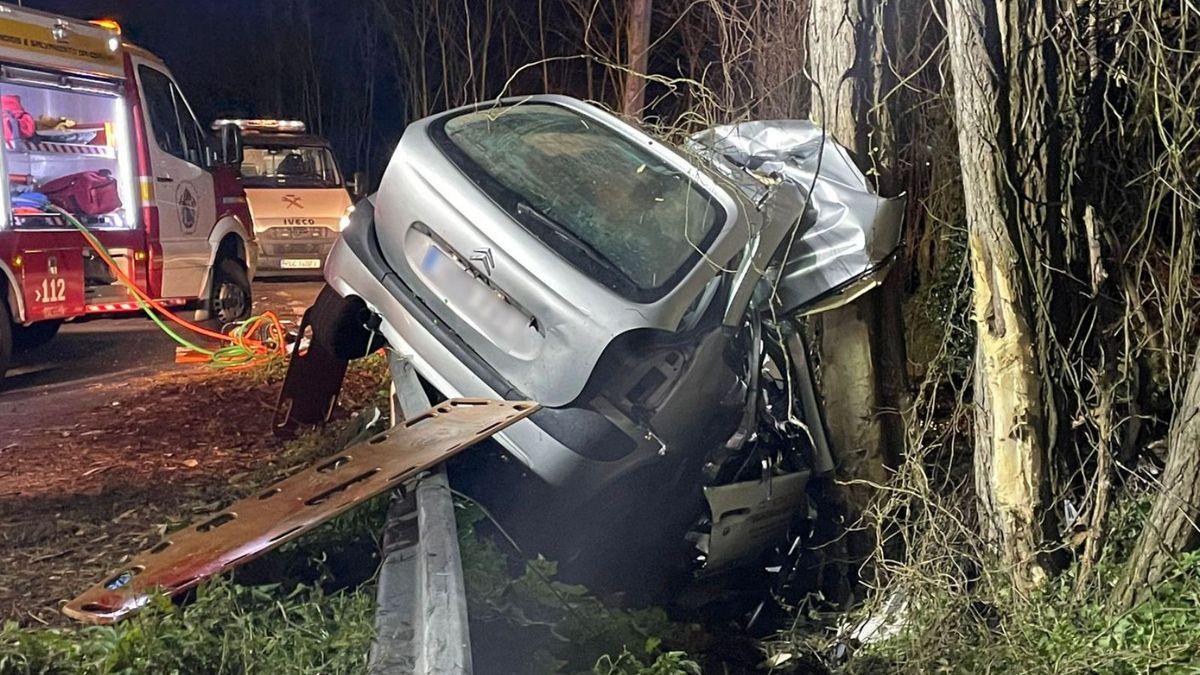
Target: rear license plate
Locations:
point(300, 264)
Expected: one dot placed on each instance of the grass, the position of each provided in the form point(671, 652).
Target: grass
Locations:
point(315, 617)
point(228, 629)
point(1066, 627)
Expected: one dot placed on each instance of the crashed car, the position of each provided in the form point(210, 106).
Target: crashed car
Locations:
point(644, 294)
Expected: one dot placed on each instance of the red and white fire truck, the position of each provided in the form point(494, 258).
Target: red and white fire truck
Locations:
point(98, 128)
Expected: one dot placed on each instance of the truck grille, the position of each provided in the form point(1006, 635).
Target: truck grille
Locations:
point(298, 233)
point(294, 249)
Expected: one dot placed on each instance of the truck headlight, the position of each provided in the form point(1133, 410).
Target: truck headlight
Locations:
point(345, 219)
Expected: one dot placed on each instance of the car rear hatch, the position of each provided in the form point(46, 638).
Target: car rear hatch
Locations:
point(540, 231)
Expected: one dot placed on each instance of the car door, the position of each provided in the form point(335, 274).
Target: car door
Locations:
point(183, 185)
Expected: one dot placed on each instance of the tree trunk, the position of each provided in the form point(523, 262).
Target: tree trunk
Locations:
point(847, 372)
point(856, 355)
point(1010, 438)
point(1171, 527)
point(863, 370)
point(833, 49)
point(637, 49)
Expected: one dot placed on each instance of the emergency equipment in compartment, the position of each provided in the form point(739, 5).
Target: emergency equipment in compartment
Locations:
point(62, 149)
point(109, 183)
point(66, 149)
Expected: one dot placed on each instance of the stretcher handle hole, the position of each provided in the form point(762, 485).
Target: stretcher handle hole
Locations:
point(123, 578)
point(285, 533)
point(334, 464)
point(408, 424)
point(324, 496)
point(162, 546)
point(215, 522)
point(269, 492)
point(492, 427)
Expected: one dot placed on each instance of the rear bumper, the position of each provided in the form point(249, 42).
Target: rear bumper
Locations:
point(544, 443)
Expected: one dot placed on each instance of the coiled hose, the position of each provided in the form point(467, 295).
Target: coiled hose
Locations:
point(256, 340)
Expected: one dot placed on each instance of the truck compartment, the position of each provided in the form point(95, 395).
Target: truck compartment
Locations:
point(66, 145)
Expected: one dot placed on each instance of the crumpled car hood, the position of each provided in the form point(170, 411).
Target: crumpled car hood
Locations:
point(796, 173)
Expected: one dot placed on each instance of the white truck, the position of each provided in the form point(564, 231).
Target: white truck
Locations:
point(297, 195)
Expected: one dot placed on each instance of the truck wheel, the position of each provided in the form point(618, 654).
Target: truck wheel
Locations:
point(231, 297)
point(25, 338)
point(5, 337)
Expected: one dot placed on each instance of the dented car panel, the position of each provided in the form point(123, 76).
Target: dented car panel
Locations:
point(819, 215)
point(748, 516)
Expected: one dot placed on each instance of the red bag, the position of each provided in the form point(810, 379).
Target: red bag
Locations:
point(88, 193)
point(17, 120)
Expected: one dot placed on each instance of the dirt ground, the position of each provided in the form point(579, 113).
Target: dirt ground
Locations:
point(80, 492)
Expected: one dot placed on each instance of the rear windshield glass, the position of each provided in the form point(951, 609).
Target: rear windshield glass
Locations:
point(289, 166)
point(609, 206)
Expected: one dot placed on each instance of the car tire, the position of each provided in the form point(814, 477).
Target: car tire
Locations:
point(25, 338)
point(231, 299)
point(6, 338)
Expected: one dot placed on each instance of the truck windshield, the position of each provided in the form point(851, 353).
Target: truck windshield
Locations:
point(611, 207)
point(289, 166)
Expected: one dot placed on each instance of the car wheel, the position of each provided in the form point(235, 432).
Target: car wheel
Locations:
point(231, 298)
point(25, 338)
point(5, 337)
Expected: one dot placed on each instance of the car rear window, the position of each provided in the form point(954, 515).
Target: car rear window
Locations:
point(611, 207)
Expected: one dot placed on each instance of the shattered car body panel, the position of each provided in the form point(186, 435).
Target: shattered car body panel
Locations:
point(835, 229)
point(496, 282)
point(286, 510)
point(747, 516)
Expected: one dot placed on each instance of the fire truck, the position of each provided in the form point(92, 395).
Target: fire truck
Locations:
point(98, 134)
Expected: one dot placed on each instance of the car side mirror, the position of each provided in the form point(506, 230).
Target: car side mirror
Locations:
point(232, 151)
point(358, 185)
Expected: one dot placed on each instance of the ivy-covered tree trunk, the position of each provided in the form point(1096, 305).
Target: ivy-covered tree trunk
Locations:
point(1173, 526)
point(987, 40)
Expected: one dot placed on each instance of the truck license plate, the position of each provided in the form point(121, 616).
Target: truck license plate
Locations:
point(300, 264)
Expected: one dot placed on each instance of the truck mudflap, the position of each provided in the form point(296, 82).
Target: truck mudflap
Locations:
point(289, 508)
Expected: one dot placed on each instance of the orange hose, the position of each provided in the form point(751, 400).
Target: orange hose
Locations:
point(242, 337)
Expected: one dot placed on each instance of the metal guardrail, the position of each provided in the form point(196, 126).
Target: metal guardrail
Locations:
point(421, 602)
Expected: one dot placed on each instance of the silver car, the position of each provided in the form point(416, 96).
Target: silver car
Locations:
point(544, 249)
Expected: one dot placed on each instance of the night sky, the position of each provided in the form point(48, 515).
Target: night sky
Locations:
point(218, 52)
